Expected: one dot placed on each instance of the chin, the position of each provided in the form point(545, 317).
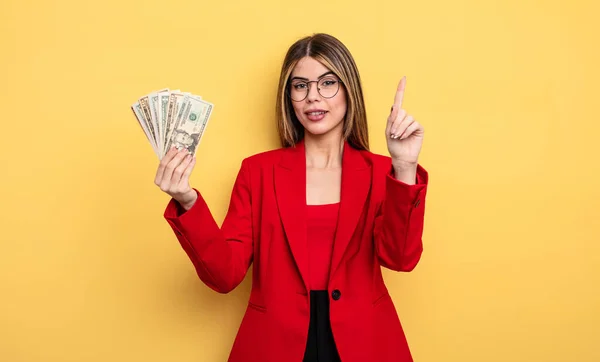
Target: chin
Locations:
point(318, 129)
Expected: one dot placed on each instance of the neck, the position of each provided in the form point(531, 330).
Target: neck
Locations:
point(323, 151)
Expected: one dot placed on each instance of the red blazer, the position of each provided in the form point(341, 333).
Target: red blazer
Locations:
point(380, 224)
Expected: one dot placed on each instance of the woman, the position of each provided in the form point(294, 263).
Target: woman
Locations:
point(316, 218)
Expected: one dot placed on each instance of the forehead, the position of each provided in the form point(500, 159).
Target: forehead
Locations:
point(310, 68)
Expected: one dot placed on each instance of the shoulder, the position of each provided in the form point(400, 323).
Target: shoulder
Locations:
point(376, 159)
point(275, 156)
point(382, 165)
point(264, 159)
point(378, 162)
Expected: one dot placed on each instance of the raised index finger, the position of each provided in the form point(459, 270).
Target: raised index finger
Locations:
point(400, 94)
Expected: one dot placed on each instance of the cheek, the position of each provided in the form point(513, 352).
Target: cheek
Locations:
point(340, 105)
point(297, 110)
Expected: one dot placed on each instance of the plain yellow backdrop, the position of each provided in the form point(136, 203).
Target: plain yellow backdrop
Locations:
point(507, 92)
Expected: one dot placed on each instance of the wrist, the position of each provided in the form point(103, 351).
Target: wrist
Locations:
point(188, 199)
point(404, 166)
point(405, 171)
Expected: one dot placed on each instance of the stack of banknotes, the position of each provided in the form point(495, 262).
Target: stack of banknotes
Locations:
point(172, 118)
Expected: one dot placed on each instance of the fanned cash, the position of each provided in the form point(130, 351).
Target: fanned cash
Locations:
point(172, 118)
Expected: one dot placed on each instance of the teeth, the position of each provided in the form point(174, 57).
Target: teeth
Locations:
point(316, 113)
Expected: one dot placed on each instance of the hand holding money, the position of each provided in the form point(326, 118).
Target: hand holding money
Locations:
point(172, 118)
point(174, 123)
point(173, 176)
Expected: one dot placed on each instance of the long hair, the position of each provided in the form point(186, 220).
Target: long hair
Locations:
point(334, 55)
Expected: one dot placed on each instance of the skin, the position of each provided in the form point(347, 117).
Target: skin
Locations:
point(323, 144)
point(323, 139)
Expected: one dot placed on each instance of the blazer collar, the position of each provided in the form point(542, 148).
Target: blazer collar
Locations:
point(295, 157)
point(290, 189)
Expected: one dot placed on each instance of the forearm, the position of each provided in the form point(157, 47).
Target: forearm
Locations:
point(399, 225)
point(221, 255)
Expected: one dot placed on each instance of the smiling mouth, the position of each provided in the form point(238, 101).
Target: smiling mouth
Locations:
point(316, 116)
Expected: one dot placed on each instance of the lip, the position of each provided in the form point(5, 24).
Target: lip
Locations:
point(315, 117)
point(315, 110)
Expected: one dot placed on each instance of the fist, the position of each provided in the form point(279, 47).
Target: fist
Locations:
point(173, 176)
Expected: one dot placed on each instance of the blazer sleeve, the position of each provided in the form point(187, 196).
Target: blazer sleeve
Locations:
point(399, 222)
point(221, 256)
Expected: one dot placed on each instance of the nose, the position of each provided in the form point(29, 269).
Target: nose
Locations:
point(313, 92)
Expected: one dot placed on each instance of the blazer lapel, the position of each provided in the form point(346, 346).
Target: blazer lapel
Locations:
point(356, 184)
point(290, 191)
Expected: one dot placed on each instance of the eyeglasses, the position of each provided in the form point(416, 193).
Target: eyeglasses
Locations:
point(327, 87)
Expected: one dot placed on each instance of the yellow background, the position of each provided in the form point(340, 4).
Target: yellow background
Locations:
point(507, 92)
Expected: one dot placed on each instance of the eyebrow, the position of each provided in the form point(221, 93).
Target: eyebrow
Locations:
point(319, 77)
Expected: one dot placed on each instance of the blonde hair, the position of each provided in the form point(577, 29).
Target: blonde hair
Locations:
point(329, 51)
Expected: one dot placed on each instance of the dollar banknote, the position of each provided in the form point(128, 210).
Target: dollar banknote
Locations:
point(153, 105)
point(139, 115)
point(172, 118)
point(190, 126)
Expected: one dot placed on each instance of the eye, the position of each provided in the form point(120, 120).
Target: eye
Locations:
point(328, 82)
point(299, 85)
